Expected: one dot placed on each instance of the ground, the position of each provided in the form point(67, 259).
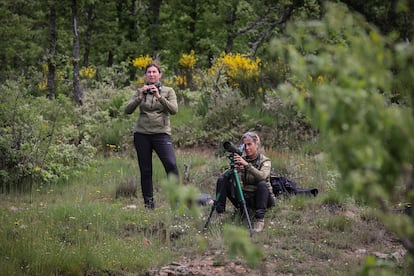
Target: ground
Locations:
point(384, 246)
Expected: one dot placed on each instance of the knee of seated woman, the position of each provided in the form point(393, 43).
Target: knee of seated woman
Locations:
point(261, 184)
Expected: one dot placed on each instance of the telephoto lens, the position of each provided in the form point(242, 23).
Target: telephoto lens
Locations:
point(230, 147)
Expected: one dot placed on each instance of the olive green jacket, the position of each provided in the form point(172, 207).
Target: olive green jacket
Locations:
point(257, 170)
point(154, 114)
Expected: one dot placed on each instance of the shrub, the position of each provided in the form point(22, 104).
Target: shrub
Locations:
point(34, 146)
point(241, 71)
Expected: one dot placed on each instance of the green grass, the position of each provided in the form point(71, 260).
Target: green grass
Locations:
point(78, 227)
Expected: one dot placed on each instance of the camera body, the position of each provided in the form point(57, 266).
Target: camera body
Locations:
point(149, 92)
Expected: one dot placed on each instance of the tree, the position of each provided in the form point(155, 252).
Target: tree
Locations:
point(52, 52)
point(23, 32)
point(155, 7)
point(78, 94)
point(90, 17)
point(344, 75)
point(388, 16)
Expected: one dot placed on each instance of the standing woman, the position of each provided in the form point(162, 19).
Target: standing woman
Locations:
point(152, 131)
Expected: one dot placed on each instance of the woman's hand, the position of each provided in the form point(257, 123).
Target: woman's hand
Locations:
point(149, 89)
point(240, 161)
point(154, 89)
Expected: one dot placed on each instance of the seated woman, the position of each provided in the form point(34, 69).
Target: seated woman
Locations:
point(254, 173)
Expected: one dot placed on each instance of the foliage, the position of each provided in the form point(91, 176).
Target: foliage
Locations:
point(188, 60)
point(84, 229)
point(239, 243)
point(115, 76)
point(103, 118)
point(241, 72)
point(185, 78)
point(88, 72)
point(338, 76)
point(141, 62)
point(352, 106)
point(182, 198)
point(39, 142)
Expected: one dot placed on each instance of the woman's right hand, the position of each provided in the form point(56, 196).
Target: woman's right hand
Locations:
point(141, 91)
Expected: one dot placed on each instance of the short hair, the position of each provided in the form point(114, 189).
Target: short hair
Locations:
point(153, 64)
point(252, 135)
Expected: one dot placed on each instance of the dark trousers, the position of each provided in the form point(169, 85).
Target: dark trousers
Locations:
point(145, 144)
point(259, 200)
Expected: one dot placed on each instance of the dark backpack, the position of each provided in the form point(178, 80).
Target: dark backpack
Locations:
point(286, 187)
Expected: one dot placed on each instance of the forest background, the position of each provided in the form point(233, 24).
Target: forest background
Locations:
point(327, 80)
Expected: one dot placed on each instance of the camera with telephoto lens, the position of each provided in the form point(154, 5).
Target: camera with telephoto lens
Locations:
point(230, 147)
point(149, 92)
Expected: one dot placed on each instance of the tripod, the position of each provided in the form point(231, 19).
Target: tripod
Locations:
point(232, 172)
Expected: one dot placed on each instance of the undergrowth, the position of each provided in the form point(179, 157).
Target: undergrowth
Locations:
point(80, 227)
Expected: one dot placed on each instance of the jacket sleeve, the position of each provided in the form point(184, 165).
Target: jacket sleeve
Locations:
point(169, 101)
point(133, 103)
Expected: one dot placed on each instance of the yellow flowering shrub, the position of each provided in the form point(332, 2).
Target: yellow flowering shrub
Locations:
point(181, 81)
point(188, 60)
point(185, 76)
point(43, 84)
point(87, 72)
point(237, 68)
point(141, 62)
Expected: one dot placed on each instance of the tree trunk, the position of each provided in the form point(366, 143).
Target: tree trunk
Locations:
point(88, 34)
point(52, 53)
point(192, 27)
point(132, 22)
point(77, 91)
point(230, 27)
point(110, 61)
point(155, 7)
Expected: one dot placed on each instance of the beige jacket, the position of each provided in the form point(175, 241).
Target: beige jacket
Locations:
point(154, 114)
point(257, 170)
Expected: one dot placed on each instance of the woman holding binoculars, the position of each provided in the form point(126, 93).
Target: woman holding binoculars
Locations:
point(152, 130)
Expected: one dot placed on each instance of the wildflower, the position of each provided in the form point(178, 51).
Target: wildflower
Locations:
point(141, 62)
point(319, 79)
point(181, 81)
point(188, 60)
point(238, 67)
point(43, 84)
point(87, 72)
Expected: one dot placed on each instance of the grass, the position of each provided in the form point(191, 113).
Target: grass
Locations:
point(79, 228)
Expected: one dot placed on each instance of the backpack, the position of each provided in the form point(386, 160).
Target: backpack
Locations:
point(286, 187)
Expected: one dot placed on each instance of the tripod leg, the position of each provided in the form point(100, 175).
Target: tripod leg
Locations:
point(211, 211)
point(240, 196)
point(246, 213)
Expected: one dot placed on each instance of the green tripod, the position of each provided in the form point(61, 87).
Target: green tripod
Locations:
point(232, 172)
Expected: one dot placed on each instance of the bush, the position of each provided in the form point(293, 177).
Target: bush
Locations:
point(36, 146)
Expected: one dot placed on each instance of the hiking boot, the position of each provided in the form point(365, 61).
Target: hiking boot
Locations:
point(149, 203)
point(258, 225)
